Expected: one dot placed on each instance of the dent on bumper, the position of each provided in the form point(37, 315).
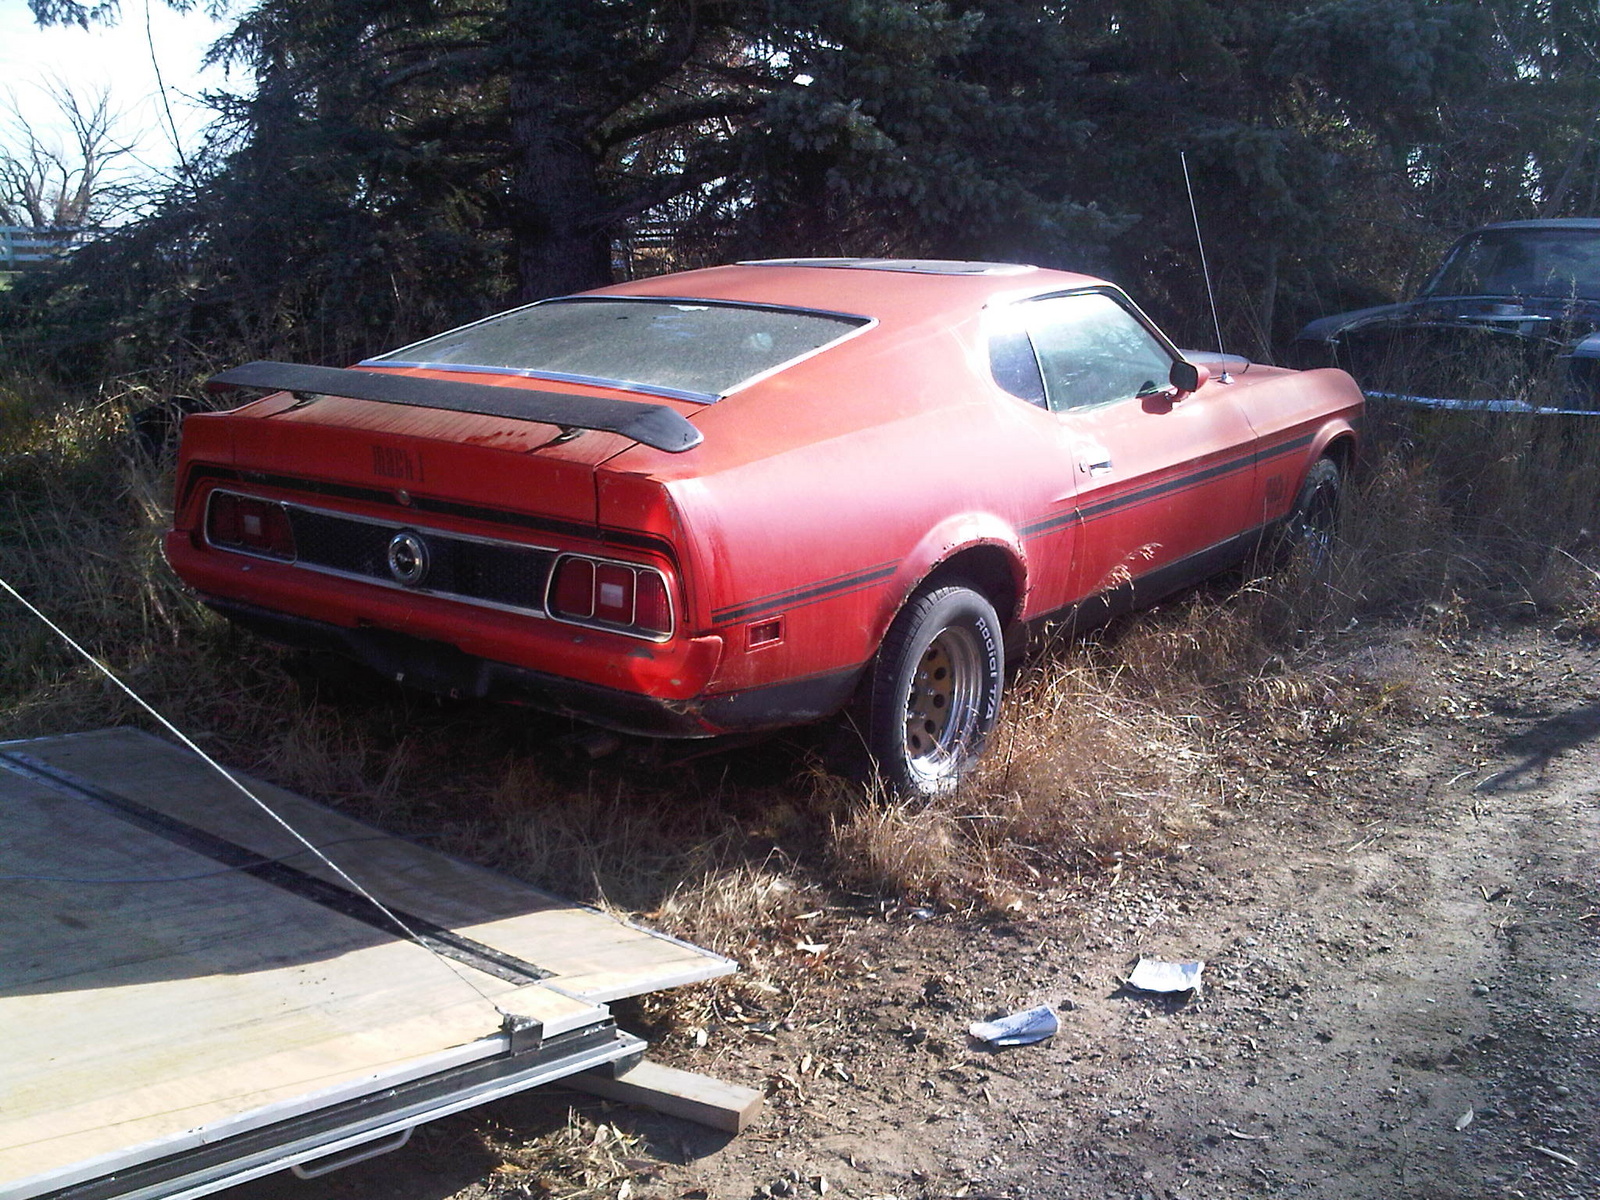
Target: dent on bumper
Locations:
point(443, 669)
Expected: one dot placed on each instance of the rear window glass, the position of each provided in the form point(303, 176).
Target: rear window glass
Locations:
point(676, 347)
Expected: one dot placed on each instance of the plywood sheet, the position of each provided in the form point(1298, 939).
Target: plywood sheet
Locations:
point(587, 953)
point(135, 1011)
point(147, 991)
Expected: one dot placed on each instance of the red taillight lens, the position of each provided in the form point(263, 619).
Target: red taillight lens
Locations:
point(573, 594)
point(223, 525)
point(245, 523)
point(617, 595)
point(280, 534)
point(651, 612)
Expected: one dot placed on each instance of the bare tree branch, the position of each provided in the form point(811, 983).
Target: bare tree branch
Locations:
point(74, 182)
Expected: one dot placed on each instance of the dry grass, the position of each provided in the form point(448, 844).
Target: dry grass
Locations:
point(584, 1159)
point(1107, 755)
point(1083, 774)
point(1111, 752)
point(1570, 587)
point(80, 518)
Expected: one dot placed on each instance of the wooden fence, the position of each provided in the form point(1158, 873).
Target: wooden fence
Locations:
point(21, 246)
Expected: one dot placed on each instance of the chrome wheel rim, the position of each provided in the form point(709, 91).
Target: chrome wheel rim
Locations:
point(1318, 523)
point(944, 705)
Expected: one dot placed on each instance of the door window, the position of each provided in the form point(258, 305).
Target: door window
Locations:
point(1090, 351)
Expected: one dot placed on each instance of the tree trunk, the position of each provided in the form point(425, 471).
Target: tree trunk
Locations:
point(558, 233)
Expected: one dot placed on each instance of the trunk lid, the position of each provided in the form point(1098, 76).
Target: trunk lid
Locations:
point(388, 452)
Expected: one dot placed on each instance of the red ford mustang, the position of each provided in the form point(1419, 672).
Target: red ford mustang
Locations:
point(752, 496)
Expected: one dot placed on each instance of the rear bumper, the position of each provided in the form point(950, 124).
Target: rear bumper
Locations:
point(443, 669)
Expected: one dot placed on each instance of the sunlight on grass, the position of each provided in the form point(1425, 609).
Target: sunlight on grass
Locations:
point(1108, 755)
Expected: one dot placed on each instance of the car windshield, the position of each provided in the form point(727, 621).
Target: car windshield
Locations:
point(1523, 262)
point(693, 349)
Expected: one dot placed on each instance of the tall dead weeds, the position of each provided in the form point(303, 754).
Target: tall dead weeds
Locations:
point(1110, 748)
point(1108, 752)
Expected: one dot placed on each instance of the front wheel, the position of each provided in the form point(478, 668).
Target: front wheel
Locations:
point(934, 692)
point(1315, 517)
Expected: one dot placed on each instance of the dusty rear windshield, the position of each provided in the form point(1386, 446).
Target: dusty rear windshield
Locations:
point(692, 349)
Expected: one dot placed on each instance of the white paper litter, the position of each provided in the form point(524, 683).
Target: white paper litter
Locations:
point(1152, 975)
point(1017, 1029)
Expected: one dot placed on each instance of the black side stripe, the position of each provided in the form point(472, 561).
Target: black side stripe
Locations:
point(1050, 524)
point(1180, 483)
point(845, 584)
point(1282, 448)
point(806, 594)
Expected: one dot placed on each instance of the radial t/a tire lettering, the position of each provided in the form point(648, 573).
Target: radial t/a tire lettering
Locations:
point(934, 692)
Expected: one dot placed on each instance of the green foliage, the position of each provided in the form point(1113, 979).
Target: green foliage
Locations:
point(405, 164)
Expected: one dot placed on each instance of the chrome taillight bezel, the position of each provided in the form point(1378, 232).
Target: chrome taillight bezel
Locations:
point(600, 623)
point(241, 548)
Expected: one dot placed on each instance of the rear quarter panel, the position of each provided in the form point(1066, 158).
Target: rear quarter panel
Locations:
point(900, 452)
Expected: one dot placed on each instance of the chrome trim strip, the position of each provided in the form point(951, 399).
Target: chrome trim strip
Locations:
point(870, 324)
point(621, 385)
point(476, 601)
point(434, 531)
point(712, 302)
point(396, 526)
point(596, 623)
point(966, 268)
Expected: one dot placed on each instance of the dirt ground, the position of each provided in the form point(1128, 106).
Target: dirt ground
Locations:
point(1401, 996)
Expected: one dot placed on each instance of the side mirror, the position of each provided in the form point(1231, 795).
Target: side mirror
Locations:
point(1188, 377)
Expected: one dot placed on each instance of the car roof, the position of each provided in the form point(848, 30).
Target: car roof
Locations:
point(895, 290)
point(916, 266)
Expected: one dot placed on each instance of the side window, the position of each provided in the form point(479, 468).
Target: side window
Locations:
point(1013, 365)
point(1091, 351)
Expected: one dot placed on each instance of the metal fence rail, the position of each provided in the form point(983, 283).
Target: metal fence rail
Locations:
point(20, 245)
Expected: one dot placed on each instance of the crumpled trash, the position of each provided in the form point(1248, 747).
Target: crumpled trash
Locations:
point(1018, 1028)
point(1153, 975)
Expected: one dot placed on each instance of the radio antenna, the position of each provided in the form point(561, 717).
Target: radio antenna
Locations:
point(1194, 212)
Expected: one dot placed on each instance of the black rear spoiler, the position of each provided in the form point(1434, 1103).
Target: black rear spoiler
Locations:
point(655, 425)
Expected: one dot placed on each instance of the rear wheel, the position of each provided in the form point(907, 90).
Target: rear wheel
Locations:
point(934, 693)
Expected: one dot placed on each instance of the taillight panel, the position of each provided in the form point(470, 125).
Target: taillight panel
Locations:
point(620, 597)
point(601, 593)
point(250, 525)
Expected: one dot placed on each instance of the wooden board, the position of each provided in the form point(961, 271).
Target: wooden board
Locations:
point(679, 1093)
point(588, 954)
point(698, 1098)
point(173, 994)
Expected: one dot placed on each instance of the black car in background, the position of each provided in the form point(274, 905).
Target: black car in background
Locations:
point(1510, 322)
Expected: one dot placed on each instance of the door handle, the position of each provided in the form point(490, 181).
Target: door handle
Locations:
point(1097, 466)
